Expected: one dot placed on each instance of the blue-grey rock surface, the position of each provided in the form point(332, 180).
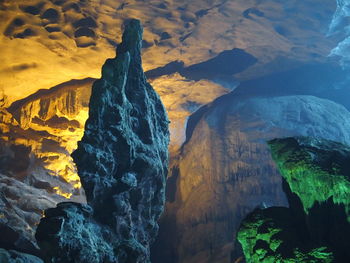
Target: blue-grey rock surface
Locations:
point(122, 161)
point(13, 256)
point(225, 170)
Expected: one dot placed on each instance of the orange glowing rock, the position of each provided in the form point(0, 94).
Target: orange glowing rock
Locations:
point(49, 123)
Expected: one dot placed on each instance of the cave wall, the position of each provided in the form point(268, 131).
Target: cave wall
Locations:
point(225, 170)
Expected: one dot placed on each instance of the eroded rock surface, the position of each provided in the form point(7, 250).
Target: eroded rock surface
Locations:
point(316, 227)
point(225, 170)
point(71, 35)
point(12, 256)
point(37, 135)
point(122, 162)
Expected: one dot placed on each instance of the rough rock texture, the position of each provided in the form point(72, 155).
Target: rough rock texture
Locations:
point(122, 162)
point(315, 170)
point(272, 235)
point(67, 100)
point(316, 227)
point(71, 35)
point(12, 256)
point(37, 135)
point(182, 97)
point(40, 132)
point(47, 125)
point(225, 170)
point(21, 208)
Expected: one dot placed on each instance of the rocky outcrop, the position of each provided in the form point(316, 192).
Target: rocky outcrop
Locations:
point(272, 235)
point(21, 207)
point(40, 132)
point(316, 226)
point(67, 100)
point(182, 97)
point(225, 170)
point(122, 162)
point(48, 124)
point(12, 256)
point(37, 135)
point(316, 170)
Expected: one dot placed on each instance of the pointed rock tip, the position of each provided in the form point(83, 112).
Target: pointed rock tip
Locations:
point(132, 37)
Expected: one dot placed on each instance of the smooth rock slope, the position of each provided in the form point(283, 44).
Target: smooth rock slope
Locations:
point(122, 162)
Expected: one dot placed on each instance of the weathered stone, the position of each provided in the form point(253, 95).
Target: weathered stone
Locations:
point(21, 207)
point(225, 170)
point(316, 170)
point(68, 233)
point(12, 239)
point(36, 170)
point(272, 235)
point(316, 226)
point(122, 162)
point(12, 256)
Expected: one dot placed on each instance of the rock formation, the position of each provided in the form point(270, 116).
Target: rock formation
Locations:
point(122, 162)
point(37, 135)
point(316, 226)
point(39, 132)
point(69, 36)
point(225, 170)
point(43, 132)
point(12, 256)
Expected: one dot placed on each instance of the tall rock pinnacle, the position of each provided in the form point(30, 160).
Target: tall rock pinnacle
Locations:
point(122, 161)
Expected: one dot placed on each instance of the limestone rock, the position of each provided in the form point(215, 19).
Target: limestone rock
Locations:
point(70, 35)
point(12, 256)
point(316, 170)
point(37, 135)
point(21, 208)
point(69, 234)
point(316, 226)
point(122, 161)
point(272, 235)
point(225, 170)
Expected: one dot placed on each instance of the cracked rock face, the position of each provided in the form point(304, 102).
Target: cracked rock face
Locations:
point(122, 162)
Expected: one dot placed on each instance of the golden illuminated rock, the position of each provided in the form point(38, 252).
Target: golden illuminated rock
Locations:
point(37, 135)
point(49, 123)
point(50, 42)
point(64, 40)
point(56, 119)
point(181, 97)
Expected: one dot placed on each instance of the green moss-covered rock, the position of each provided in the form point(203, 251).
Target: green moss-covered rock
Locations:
point(316, 226)
point(316, 170)
point(270, 236)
